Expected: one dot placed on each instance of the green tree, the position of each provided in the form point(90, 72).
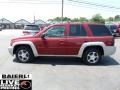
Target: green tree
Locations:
point(117, 18)
point(83, 19)
point(75, 20)
point(98, 19)
point(58, 19)
point(66, 19)
point(110, 19)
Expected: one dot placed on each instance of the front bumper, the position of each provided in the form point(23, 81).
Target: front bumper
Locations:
point(10, 49)
point(109, 50)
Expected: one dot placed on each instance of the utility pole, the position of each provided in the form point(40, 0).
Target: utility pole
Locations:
point(62, 11)
point(34, 19)
point(2, 24)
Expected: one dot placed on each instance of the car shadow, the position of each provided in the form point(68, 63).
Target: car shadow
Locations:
point(106, 61)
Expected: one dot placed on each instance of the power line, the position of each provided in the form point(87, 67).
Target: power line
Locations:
point(68, 2)
point(29, 2)
point(59, 2)
point(95, 4)
point(89, 6)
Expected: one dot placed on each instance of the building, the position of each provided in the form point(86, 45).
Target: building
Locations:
point(6, 24)
point(41, 23)
point(21, 23)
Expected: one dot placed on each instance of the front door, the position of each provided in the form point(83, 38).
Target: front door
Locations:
point(54, 42)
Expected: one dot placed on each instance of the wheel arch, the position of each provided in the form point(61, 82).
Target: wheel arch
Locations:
point(25, 43)
point(20, 45)
point(98, 45)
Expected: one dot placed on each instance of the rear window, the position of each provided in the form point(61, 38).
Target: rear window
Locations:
point(32, 27)
point(112, 27)
point(100, 30)
point(77, 30)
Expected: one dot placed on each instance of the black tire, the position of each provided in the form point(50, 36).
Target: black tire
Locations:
point(91, 56)
point(24, 54)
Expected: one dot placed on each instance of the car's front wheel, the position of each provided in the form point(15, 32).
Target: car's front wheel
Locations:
point(24, 54)
point(91, 56)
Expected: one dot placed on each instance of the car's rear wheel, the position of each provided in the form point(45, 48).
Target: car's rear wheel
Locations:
point(91, 56)
point(24, 54)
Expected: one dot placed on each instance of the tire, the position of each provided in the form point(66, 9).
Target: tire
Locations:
point(24, 54)
point(91, 56)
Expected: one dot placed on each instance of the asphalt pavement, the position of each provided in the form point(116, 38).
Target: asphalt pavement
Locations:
point(58, 73)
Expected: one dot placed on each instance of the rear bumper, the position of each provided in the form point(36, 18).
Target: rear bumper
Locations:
point(109, 50)
point(10, 49)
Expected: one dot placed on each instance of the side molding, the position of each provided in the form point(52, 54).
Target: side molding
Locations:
point(82, 48)
point(27, 43)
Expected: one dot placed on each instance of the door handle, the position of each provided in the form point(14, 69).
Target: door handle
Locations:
point(61, 40)
point(85, 41)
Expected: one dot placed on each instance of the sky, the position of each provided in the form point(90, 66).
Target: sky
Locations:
point(14, 10)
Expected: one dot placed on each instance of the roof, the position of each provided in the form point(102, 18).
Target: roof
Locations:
point(3, 20)
point(39, 22)
point(75, 23)
point(22, 21)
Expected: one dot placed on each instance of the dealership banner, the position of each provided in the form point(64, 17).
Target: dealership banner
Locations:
point(15, 82)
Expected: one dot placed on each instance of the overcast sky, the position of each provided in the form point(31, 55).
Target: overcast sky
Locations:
point(47, 9)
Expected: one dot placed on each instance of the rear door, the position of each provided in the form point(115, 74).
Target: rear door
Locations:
point(76, 37)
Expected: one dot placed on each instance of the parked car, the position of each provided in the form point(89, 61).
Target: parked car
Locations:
point(87, 41)
point(113, 29)
point(0, 28)
point(118, 30)
point(31, 29)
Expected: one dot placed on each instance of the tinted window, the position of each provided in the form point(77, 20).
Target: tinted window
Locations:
point(55, 31)
point(31, 27)
point(77, 30)
point(100, 30)
point(112, 27)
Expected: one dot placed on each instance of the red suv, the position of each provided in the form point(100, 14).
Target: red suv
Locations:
point(87, 41)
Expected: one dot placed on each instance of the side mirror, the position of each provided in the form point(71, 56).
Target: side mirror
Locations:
point(43, 35)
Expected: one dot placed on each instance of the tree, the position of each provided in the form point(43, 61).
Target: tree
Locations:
point(83, 19)
point(110, 19)
point(98, 19)
point(58, 19)
point(75, 20)
point(66, 19)
point(117, 18)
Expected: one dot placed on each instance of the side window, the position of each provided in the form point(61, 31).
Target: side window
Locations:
point(55, 31)
point(100, 30)
point(77, 30)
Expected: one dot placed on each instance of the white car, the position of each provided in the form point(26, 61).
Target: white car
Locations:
point(0, 28)
point(31, 29)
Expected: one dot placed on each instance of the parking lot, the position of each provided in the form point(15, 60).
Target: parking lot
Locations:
point(58, 73)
